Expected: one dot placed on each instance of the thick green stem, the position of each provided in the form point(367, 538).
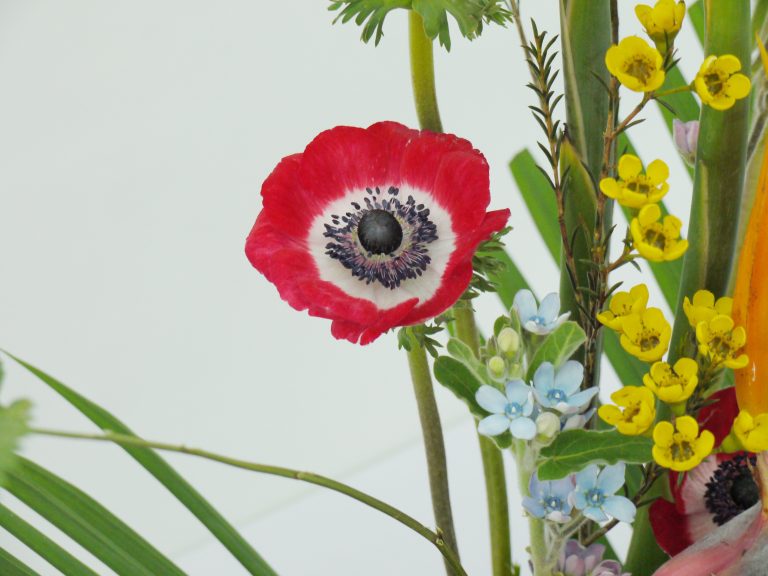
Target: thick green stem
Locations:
point(433, 445)
point(125, 440)
point(423, 75)
point(719, 178)
point(493, 463)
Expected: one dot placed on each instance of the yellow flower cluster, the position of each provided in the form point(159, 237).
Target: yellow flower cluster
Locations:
point(657, 239)
point(719, 339)
point(641, 68)
point(644, 332)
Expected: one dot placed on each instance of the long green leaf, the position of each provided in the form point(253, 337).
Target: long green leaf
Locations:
point(167, 476)
point(696, 14)
point(87, 522)
point(12, 566)
point(509, 280)
point(54, 554)
point(538, 198)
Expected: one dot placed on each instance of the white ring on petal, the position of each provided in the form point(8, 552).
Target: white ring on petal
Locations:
point(422, 287)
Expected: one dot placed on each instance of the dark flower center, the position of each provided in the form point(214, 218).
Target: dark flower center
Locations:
point(380, 232)
point(732, 489)
point(384, 237)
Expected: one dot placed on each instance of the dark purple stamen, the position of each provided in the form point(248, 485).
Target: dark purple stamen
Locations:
point(732, 489)
point(384, 240)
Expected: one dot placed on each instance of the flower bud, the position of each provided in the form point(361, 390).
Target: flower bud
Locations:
point(547, 425)
point(497, 368)
point(686, 139)
point(509, 341)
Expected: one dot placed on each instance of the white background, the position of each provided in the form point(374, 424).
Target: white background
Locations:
point(134, 137)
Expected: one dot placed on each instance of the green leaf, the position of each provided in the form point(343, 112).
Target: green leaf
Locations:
point(573, 450)
point(46, 548)
point(12, 566)
point(87, 522)
point(508, 280)
point(14, 423)
point(558, 346)
point(167, 476)
point(696, 14)
point(460, 380)
point(470, 15)
point(629, 369)
point(464, 354)
point(539, 199)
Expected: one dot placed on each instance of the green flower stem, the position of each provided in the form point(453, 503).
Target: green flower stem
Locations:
point(126, 440)
point(538, 547)
point(423, 75)
point(433, 444)
point(428, 113)
point(493, 463)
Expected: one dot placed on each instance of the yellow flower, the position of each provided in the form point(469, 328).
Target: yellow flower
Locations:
point(636, 65)
point(751, 432)
point(718, 84)
point(673, 384)
point(634, 189)
point(623, 304)
point(720, 341)
point(704, 308)
point(662, 22)
point(638, 414)
point(680, 447)
point(646, 335)
point(654, 240)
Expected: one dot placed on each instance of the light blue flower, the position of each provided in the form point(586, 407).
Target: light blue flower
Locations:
point(594, 494)
point(560, 390)
point(508, 412)
point(550, 500)
point(541, 319)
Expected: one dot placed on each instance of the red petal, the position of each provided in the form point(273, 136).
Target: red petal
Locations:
point(343, 159)
point(423, 156)
point(279, 199)
point(462, 187)
point(669, 526)
point(718, 417)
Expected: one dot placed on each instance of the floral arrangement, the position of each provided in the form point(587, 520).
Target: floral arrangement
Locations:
point(387, 229)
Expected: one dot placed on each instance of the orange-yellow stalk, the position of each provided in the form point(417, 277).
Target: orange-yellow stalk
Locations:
point(750, 299)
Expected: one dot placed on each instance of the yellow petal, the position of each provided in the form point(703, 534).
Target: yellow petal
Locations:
point(687, 368)
point(649, 214)
point(738, 86)
point(703, 446)
point(724, 306)
point(704, 298)
point(610, 187)
point(687, 426)
point(629, 167)
point(639, 294)
point(728, 63)
point(721, 324)
point(663, 433)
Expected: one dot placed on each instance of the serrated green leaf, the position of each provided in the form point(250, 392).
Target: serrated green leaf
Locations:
point(14, 424)
point(558, 346)
point(573, 450)
point(470, 15)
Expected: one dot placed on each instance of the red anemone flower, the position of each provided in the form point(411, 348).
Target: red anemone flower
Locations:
point(374, 228)
point(720, 488)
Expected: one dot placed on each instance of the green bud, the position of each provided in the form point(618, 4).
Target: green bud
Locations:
point(509, 341)
point(547, 426)
point(497, 367)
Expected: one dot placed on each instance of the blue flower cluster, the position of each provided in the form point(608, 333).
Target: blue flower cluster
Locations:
point(592, 491)
point(520, 407)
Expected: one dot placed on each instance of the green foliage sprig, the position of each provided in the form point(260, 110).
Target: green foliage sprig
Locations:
point(470, 15)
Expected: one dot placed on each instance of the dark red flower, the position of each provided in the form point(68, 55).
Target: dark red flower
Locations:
point(374, 228)
point(717, 490)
